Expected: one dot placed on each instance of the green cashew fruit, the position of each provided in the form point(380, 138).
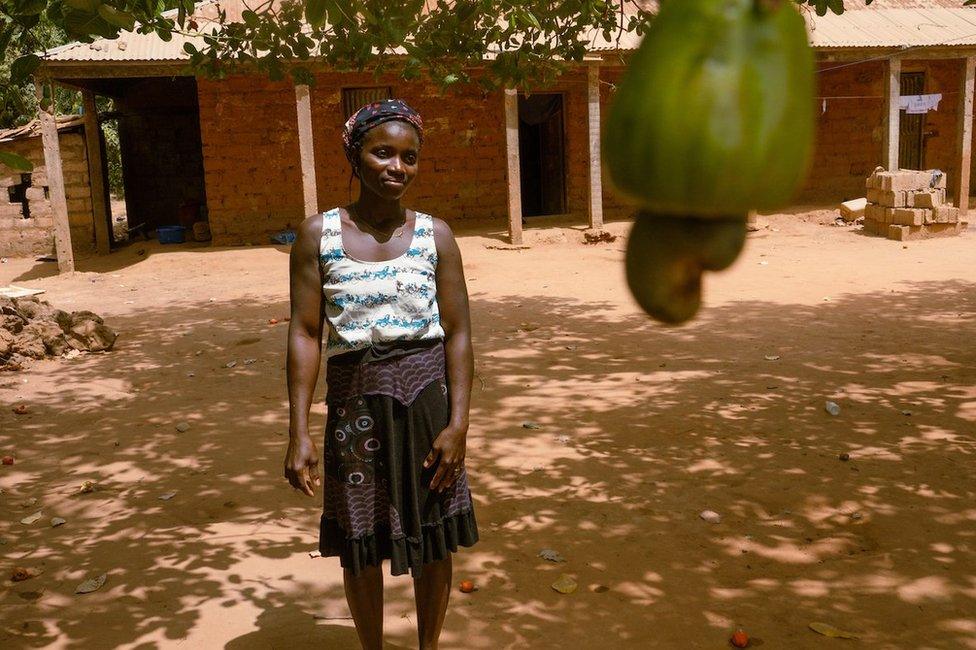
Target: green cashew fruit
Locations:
point(667, 255)
point(715, 113)
point(713, 118)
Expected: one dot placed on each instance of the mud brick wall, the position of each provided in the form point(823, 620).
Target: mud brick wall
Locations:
point(941, 147)
point(848, 136)
point(850, 132)
point(248, 128)
point(462, 163)
point(252, 172)
point(614, 205)
point(22, 236)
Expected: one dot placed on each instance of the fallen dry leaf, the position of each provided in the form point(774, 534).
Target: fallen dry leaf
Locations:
point(22, 573)
point(30, 519)
point(565, 584)
point(832, 632)
point(92, 584)
point(551, 555)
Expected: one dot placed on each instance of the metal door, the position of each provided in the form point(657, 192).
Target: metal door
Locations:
point(911, 142)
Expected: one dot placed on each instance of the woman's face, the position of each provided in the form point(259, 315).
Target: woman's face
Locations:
point(389, 157)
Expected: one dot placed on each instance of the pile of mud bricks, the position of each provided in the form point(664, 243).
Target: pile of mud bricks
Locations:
point(908, 204)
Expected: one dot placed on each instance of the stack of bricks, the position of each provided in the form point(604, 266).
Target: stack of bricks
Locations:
point(908, 204)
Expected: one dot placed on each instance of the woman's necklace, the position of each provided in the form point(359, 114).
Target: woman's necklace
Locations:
point(396, 234)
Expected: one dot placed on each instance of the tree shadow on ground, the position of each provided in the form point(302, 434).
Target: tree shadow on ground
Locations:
point(641, 429)
point(129, 254)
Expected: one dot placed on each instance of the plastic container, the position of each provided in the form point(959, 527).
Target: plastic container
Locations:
point(284, 237)
point(171, 234)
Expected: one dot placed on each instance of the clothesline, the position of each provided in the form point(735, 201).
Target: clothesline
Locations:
point(944, 93)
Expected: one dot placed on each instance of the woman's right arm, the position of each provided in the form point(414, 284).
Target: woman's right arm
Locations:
point(304, 354)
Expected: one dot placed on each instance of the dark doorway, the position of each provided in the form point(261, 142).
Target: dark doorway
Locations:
point(911, 141)
point(542, 154)
point(162, 154)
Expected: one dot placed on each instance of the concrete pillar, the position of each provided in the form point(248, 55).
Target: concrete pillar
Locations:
point(303, 103)
point(965, 132)
point(892, 114)
point(514, 162)
point(593, 118)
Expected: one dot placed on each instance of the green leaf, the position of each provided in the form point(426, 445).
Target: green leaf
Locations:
point(450, 79)
point(85, 24)
point(26, 7)
point(837, 6)
point(15, 162)
point(87, 6)
point(6, 32)
point(55, 12)
point(190, 48)
point(22, 67)
point(315, 12)
point(113, 16)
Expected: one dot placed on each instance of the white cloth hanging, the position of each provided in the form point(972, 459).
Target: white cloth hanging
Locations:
point(919, 104)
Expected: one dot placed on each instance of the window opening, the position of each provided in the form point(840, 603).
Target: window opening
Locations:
point(354, 98)
point(18, 194)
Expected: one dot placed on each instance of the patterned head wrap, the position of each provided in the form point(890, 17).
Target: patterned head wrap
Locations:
point(371, 116)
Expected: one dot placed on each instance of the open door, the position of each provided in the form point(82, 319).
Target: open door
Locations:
point(911, 141)
point(542, 154)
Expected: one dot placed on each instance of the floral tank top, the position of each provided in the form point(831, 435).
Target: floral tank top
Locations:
point(368, 303)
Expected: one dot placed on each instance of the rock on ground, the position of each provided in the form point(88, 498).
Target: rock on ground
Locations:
point(33, 329)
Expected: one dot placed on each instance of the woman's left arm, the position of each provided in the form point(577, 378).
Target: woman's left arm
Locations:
point(448, 449)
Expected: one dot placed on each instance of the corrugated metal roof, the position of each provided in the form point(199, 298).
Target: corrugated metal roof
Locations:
point(931, 26)
point(859, 5)
point(33, 128)
point(131, 47)
point(140, 48)
point(883, 23)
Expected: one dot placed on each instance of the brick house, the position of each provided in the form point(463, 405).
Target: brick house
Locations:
point(254, 156)
point(26, 214)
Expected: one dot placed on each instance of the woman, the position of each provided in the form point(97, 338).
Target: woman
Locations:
point(388, 284)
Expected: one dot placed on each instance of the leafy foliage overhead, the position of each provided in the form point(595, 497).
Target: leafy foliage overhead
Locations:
point(518, 42)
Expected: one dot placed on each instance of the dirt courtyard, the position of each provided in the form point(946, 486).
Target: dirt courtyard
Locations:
point(641, 428)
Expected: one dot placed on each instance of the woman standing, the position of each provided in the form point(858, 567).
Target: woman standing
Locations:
point(388, 286)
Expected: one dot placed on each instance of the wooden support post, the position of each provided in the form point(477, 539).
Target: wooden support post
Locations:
point(596, 178)
point(96, 181)
point(514, 173)
point(965, 132)
point(892, 114)
point(55, 177)
point(303, 103)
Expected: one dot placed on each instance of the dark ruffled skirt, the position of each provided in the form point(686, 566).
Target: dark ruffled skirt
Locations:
point(385, 407)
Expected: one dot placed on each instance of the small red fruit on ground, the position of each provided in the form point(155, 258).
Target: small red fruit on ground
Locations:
point(740, 639)
point(467, 586)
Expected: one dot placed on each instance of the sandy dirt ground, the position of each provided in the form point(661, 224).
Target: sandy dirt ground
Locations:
point(642, 428)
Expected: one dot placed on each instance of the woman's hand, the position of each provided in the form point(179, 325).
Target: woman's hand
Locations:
point(302, 463)
point(448, 454)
